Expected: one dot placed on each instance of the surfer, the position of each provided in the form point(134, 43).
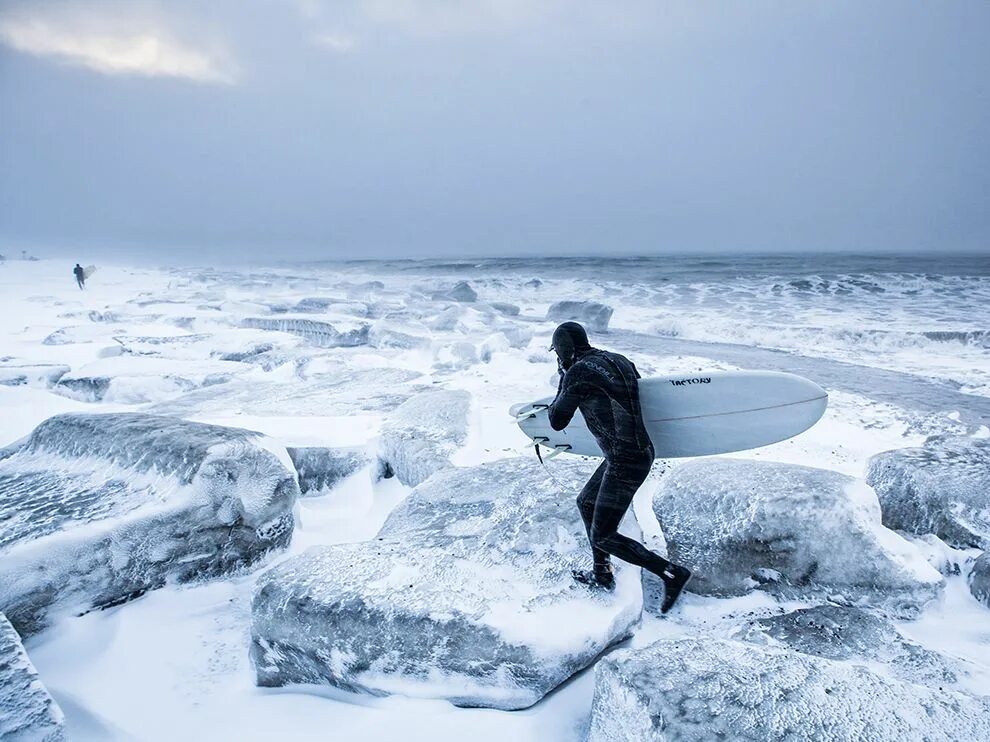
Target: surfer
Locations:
point(604, 387)
point(80, 275)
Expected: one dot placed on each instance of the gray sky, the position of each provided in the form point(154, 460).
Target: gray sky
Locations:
point(357, 128)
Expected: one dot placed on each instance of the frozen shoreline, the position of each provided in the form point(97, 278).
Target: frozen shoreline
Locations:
point(175, 661)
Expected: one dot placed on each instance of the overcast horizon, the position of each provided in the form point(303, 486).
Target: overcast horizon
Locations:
point(309, 130)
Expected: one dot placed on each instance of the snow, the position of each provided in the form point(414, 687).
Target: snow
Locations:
point(174, 662)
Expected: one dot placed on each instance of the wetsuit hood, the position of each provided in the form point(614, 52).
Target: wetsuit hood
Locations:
point(570, 342)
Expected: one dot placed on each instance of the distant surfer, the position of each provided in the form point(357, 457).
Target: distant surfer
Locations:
point(604, 387)
point(80, 273)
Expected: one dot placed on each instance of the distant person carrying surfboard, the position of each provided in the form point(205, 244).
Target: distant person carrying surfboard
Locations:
point(80, 274)
point(604, 386)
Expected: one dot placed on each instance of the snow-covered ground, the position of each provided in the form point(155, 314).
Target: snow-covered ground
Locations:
point(174, 663)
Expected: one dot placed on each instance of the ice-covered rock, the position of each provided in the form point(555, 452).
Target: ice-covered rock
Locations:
point(704, 689)
point(320, 334)
point(28, 713)
point(466, 595)
point(455, 356)
point(447, 320)
point(247, 355)
point(846, 633)
point(746, 524)
point(979, 579)
point(347, 391)
point(460, 291)
point(503, 307)
point(383, 335)
point(321, 469)
point(942, 487)
point(593, 315)
point(86, 388)
point(419, 437)
point(38, 374)
point(96, 509)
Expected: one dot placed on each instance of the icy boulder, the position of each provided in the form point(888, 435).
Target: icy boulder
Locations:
point(979, 579)
point(746, 524)
point(96, 509)
point(27, 712)
point(843, 633)
point(419, 437)
point(941, 488)
point(321, 469)
point(460, 291)
point(466, 595)
point(320, 334)
point(594, 316)
point(705, 689)
point(503, 307)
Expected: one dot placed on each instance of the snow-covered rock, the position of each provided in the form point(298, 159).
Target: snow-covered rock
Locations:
point(321, 469)
point(593, 315)
point(320, 334)
point(846, 633)
point(419, 437)
point(460, 291)
point(28, 713)
point(979, 579)
point(96, 509)
point(746, 524)
point(942, 487)
point(705, 689)
point(466, 595)
point(503, 307)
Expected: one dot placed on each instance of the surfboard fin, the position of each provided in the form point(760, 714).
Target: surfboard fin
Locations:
point(557, 450)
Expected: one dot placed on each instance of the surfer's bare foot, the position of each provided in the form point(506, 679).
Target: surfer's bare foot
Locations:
point(601, 579)
point(674, 577)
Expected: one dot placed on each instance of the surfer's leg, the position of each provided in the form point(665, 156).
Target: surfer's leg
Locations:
point(619, 484)
point(586, 506)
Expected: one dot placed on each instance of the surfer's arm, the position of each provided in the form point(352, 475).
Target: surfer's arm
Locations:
point(569, 396)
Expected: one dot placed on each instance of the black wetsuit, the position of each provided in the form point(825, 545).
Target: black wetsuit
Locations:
point(80, 275)
point(604, 387)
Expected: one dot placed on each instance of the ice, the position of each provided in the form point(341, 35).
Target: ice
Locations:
point(320, 334)
point(592, 314)
point(705, 689)
point(460, 291)
point(979, 579)
point(746, 524)
point(844, 633)
point(28, 713)
point(320, 469)
point(942, 488)
point(348, 390)
point(466, 594)
point(96, 509)
point(420, 436)
point(40, 375)
point(504, 307)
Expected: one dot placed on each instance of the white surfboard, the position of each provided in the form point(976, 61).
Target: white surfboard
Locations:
point(88, 271)
point(699, 414)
